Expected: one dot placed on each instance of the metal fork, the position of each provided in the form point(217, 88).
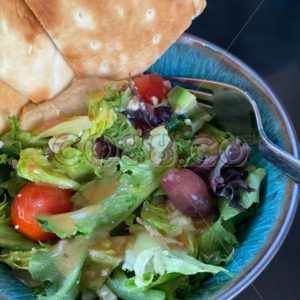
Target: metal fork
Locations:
point(236, 111)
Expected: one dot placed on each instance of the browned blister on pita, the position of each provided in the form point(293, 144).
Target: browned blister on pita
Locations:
point(11, 103)
point(29, 61)
point(114, 38)
point(68, 104)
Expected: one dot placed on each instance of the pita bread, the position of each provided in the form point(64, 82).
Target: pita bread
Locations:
point(29, 61)
point(11, 104)
point(68, 104)
point(113, 39)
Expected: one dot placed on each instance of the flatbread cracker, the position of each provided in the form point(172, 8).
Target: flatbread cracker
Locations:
point(29, 61)
point(113, 39)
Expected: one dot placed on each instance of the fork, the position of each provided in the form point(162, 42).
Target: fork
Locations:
point(236, 111)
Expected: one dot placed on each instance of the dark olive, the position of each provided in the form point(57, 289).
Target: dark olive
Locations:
point(188, 192)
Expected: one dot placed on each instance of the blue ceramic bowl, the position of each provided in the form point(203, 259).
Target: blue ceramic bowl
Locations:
point(262, 235)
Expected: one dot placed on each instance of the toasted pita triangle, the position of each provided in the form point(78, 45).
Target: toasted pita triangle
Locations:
point(114, 38)
point(29, 60)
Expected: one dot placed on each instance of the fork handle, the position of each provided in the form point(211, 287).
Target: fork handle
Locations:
point(281, 159)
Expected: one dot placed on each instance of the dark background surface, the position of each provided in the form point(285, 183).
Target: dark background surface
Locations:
point(266, 37)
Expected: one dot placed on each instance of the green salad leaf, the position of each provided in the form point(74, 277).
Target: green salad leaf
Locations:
point(117, 100)
point(17, 259)
point(186, 126)
point(216, 244)
point(123, 135)
point(10, 238)
point(74, 164)
point(14, 184)
point(34, 166)
point(247, 200)
point(167, 220)
point(101, 115)
point(118, 284)
point(137, 182)
point(188, 152)
point(149, 257)
point(60, 266)
point(97, 268)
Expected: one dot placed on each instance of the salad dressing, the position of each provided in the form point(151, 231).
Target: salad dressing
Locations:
point(116, 244)
point(97, 191)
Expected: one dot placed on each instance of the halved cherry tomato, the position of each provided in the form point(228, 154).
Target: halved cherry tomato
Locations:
point(152, 88)
point(38, 199)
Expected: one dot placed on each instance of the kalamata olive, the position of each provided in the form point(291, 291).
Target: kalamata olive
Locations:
point(188, 192)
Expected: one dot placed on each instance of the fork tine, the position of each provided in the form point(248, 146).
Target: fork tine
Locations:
point(202, 96)
point(210, 86)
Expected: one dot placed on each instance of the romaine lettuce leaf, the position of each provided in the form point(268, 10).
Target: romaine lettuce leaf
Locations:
point(118, 284)
point(33, 165)
point(60, 266)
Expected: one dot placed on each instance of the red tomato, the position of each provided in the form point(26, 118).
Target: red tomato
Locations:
point(152, 88)
point(38, 199)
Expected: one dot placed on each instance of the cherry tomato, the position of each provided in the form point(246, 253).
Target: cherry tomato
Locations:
point(38, 199)
point(152, 88)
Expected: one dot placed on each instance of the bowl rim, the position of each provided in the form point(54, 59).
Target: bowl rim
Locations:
point(280, 232)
